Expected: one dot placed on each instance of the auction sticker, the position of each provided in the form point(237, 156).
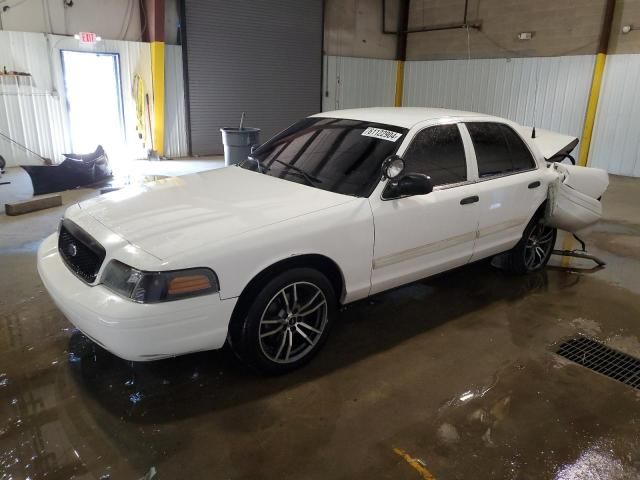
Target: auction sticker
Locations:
point(382, 134)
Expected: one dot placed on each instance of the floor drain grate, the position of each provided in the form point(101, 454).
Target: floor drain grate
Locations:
point(602, 359)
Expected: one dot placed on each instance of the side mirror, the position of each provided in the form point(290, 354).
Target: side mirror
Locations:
point(392, 167)
point(413, 184)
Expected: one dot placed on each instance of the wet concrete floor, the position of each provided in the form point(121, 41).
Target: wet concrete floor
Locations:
point(450, 378)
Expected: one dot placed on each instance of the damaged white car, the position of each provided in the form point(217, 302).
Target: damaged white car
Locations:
point(339, 206)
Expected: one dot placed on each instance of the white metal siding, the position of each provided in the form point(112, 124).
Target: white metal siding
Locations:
point(175, 125)
point(31, 109)
point(34, 114)
point(358, 82)
point(506, 88)
point(616, 139)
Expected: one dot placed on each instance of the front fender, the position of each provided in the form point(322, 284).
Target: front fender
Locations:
point(343, 233)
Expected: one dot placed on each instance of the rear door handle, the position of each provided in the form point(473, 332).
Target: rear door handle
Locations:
point(535, 184)
point(468, 200)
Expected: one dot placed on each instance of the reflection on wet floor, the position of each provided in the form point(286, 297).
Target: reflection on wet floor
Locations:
point(456, 371)
point(467, 375)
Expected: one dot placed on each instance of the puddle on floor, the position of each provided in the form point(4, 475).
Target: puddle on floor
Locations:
point(455, 370)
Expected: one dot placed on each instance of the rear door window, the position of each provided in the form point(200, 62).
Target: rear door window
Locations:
point(499, 150)
point(439, 153)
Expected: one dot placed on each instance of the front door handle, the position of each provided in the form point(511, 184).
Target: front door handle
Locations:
point(468, 200)
point(535, 184)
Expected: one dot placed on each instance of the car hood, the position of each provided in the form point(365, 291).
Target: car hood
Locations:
point(175, 215)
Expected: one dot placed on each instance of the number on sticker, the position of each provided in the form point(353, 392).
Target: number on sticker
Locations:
point(382, 134)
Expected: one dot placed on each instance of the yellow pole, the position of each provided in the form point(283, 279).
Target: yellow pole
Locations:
point(157, 76)
point(592, 107)
point(587, 131)
point(399, 82)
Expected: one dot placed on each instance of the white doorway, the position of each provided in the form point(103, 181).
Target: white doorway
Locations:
point(94, 103)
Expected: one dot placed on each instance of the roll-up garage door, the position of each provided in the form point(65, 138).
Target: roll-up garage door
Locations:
point(262, 57)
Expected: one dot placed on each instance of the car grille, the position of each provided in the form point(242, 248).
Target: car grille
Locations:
point(82, 254)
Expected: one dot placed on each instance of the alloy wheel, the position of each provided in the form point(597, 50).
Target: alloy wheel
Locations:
point(538, 246)
point(293, 322)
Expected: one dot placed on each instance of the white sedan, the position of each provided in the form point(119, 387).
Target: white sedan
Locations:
point(337, 207)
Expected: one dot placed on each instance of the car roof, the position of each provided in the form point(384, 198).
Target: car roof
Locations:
point(405, 117)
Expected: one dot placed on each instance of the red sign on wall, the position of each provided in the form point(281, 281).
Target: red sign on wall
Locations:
point(88, 38)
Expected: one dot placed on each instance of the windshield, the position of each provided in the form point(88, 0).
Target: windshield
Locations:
point(339, 155)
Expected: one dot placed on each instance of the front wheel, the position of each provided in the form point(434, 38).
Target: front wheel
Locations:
point(287, 322)
point(534, 249)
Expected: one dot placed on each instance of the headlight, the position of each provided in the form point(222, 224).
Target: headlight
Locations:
point(154, 287)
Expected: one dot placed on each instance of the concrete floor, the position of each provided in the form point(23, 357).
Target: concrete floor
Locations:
point(450, 378)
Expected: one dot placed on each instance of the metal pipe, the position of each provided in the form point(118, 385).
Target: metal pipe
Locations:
point(406, 30)
point(403, 25)
point(456, 26)
point(574, 254)
point(607, 23)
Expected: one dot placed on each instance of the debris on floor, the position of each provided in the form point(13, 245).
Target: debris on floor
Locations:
point(27, 206)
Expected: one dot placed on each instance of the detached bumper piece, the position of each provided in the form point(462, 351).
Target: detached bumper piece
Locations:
point(75, 171)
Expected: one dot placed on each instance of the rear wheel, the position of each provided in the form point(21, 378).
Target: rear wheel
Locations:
point(534, 249)
point(286, 323)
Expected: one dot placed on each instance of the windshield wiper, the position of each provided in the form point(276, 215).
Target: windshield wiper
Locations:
point(313, 181)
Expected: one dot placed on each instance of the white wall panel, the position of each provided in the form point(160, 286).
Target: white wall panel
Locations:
point(175, 126)
point(507, 88)
point(357, 82)
point(33, 112)
point(616, 138)
point(30, 107)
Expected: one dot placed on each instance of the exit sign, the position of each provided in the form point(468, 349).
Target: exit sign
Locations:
point(88, 38)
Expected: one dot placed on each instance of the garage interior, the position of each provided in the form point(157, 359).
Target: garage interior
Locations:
point(453, 377)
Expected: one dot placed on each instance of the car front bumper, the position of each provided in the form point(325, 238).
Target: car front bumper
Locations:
point(134, 331)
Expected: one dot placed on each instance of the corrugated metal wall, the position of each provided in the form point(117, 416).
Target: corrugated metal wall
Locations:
point(30, 107)
point(507, 88)
point(175, 126)
point(33, 113)
point(616, 138)
point(358, 82)
point(262, 57)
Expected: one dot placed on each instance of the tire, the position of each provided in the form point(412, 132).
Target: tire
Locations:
point(274, 335)
point(533, 251)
